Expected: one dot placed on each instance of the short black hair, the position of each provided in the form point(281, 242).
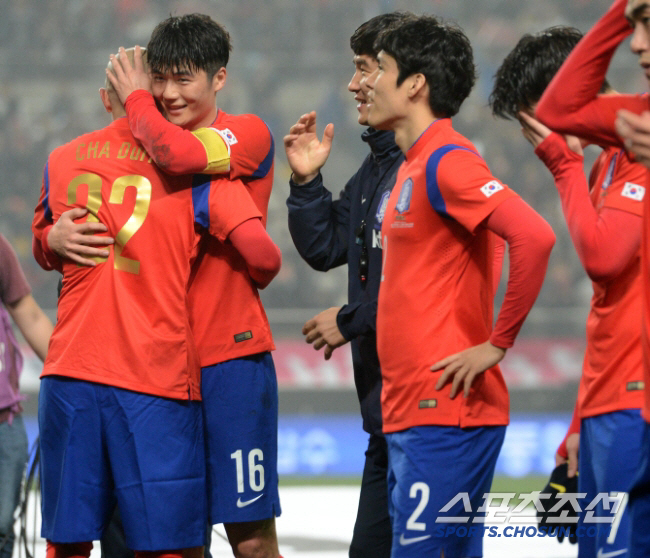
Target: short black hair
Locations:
point(363, 39)
point(528, 69)
point(193, 42)
point(438, 50)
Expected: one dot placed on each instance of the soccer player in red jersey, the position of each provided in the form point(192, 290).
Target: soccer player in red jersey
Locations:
point(572, 105)
point(605, 222)
point(188, 56)
point(119, 410)
point(438, 235)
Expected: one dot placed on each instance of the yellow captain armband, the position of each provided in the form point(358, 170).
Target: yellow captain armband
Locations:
point(216, 149)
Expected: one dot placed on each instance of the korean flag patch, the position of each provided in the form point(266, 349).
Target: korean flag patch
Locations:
point(633, 191)
point(227, 136)
point(490, 188)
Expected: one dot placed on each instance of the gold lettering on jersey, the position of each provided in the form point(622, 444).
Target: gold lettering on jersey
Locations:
point(634, 386)
point(94, 200)
point(106, 150)
point(79, 156)
point(428, 404)
point(142, 201)
point(93, 183)
point(92, 148)
point(123, 151)
point(135, 153)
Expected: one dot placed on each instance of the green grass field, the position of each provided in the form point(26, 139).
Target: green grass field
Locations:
point(501, 483)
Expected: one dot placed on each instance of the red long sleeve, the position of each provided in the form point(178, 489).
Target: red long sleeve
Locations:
point(173, 149)
point(607, 241)
point(263, 258)
point(44, 257)
point(574, 428)
point(571, 103)
point(530, 240)
point(497, 264)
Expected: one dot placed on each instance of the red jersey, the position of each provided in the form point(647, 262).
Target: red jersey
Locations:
point(124, 322)
point(572, 105)
point(435, 297)
point(612, 372)
point(220, 283)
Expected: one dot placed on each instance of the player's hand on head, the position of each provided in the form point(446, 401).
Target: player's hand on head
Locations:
point(126, 78)
point(323, 331)
point(634, 130)
point(462, 368)
point(306, 153)
point(532, 129)
point(78, 241)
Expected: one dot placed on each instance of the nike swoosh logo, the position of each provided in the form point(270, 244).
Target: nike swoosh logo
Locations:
point(602, 554)
point(404, 541)
point(558, 487)
point(363, 200)
point(241, 504)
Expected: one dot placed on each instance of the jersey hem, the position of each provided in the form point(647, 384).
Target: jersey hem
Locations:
point(210, 358)
point(390, 428)
point(185, 395)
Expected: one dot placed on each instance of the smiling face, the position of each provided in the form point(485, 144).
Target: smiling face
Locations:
point(387, 101)
point(364, 65)
point(637, 13)
point(188, 98)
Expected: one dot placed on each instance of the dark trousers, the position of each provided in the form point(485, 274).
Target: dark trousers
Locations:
point(372, 536)
point(113, 543)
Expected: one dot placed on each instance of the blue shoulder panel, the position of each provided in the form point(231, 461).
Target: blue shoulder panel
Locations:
point(46, 197)
point(433, 191)
point(265, 165)
point(201, 199)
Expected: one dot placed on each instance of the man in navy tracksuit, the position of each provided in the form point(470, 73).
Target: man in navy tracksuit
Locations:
point(330, 233)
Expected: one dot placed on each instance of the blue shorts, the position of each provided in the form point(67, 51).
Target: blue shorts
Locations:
point(428, 467)
point(608, 461)
point(101, 445)
point(639, 506)
point(240, 410)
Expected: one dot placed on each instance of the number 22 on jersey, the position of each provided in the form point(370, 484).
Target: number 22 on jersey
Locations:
point(117, 192)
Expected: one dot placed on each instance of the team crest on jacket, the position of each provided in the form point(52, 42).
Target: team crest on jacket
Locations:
point(381, 208)
point(227, 136)
point(404, 200)
point(490, 188)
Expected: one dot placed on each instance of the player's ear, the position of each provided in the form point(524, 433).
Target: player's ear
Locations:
point(219, 79)
point(105, 99)
point(418, 85)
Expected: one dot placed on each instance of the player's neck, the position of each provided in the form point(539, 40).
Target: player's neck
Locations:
point(207, 120)
point(409, 129)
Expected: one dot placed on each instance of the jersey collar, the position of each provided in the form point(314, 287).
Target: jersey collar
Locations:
point(438, 126)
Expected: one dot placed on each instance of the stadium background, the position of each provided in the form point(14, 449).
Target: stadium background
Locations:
point(291, 56)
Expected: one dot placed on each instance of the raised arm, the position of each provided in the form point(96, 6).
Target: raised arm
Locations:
point(572, 103)
point(607, 240)
point(173, 149)
point(318, 225)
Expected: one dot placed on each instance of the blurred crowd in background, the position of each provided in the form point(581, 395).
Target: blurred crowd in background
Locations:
point(289, 57)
